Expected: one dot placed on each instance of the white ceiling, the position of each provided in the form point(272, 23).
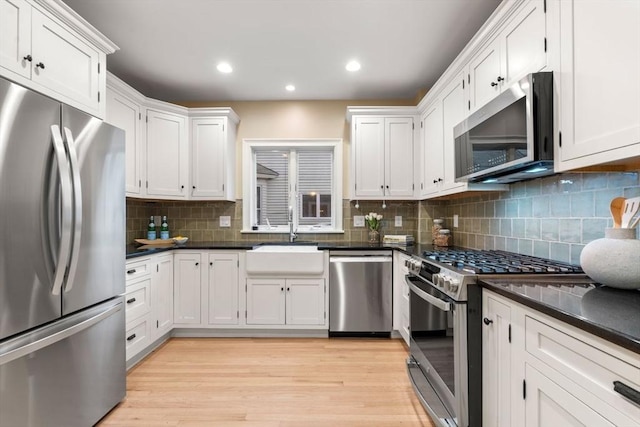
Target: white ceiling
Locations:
point(169, 49)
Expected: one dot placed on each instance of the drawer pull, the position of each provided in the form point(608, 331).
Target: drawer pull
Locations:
point(131, 300)
point(629, 392)
point(130, 337)
point(133, 270)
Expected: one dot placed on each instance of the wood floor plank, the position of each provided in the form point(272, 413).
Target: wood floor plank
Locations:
point(271, 382)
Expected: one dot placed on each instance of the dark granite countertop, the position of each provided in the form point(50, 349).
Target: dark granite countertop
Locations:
point(134, 250)
point(612, 314)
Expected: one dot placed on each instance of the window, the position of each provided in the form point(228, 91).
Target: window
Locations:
point(298, 181)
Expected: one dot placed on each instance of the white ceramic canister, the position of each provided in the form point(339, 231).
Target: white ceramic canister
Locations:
point(614, 260)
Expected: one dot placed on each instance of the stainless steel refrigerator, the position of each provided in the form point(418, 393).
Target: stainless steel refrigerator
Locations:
point(62, 219)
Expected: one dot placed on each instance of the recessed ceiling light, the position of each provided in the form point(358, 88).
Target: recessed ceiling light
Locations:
point(224, 67)
point(290, 88)
point(353, 66)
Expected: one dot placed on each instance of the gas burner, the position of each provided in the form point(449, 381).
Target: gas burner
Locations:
point(499, 262)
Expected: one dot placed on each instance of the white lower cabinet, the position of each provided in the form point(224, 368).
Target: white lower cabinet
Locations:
point(539, 371)
point(222, 283)
point(187, 289)
point(148, 301)
point(162, 296)
point(286, 301)
point(400, 296)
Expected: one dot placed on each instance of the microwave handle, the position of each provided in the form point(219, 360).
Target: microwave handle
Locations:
point(442, 305)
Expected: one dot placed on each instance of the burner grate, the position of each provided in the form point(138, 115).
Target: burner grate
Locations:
point(499, 262)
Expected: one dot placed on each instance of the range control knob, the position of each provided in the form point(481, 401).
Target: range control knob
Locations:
point(447, 283)
point(454, 285)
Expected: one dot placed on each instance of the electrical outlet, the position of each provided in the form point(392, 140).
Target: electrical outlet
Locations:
point(225, 221)
point(358, 221)
point(398, 222)
point(455, 221)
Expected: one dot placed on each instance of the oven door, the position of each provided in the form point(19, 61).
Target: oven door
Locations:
point(438, 363)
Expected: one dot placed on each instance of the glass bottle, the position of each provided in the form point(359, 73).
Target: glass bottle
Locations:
point(164, 229)
point(444, 238)
point(151, 230)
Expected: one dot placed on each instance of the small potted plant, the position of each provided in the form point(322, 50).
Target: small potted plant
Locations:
point(373, 221)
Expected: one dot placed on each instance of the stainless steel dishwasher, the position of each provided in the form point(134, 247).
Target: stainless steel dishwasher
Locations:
point(360, 293)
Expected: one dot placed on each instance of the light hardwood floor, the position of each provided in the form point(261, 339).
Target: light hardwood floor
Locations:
point(272, 383)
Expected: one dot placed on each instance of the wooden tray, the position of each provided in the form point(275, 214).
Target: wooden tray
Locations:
point(157, 242)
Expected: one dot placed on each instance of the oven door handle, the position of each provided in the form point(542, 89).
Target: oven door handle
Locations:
point(442, 305)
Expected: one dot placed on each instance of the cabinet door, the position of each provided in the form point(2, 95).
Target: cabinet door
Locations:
point(15, 43)
point(369, 156)
point(265, 302)
point(496, 362)
point(186, 289)
point(523, 43)
point(126, 114)
point(484, 70)
point(305, 302)
point(599, 85)
point(166, 155)
point(69, 66)
point(432, 154)
point(398, 153)
point(208, 143)
point(548, 404)
point(453, 112)
point(223, 289)
point(162, 291)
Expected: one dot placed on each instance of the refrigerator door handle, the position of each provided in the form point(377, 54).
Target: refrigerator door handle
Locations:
point(66, 191)
point(58, 336)
point(77, 207)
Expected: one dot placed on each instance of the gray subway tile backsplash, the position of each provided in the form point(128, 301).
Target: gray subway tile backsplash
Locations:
point(550, 217)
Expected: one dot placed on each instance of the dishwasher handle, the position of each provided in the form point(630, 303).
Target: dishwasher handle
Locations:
point(360, 259)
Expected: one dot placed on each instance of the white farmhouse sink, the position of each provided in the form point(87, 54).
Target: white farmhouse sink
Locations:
point(285, 248)
point(285, 260)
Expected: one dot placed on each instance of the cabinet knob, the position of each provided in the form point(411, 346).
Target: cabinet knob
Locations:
point(487, 321)
point(182, 187)
point(193, 186)
point(211, 264)
point(28, 58)
point(197, 264)
point(288, 289)
point(494, 84)
point(435, 181)
point(281, 289)
point(440, 179)
point(40, 65)
point(382, 187)
point(500, 79)
point(387, 187)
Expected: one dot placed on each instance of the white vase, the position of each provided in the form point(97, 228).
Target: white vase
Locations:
point(614, 260)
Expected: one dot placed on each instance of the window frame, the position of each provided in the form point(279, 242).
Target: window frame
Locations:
point(250, 145)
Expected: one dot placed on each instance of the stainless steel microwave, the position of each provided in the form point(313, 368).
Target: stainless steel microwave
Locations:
point(511, 137)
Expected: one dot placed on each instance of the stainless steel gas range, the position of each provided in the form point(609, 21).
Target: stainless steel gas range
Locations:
point(445, 362)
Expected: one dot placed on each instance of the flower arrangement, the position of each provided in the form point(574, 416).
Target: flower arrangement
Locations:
point(373, 221)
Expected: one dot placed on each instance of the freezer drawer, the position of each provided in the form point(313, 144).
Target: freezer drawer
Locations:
point(70, 373)
point(360, 294)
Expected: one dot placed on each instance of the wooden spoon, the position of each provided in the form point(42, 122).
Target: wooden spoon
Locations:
point(617, 205)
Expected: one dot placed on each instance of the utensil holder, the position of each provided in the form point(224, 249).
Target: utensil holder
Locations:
point(614, 260)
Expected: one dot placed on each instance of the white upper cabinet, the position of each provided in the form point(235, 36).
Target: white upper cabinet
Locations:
point(599, 84)
point(382, 153)
point(15, 43)
point(48, 48)
point(167, 159)
point(368, 161)
point(518, 49)
point(213, 154)
point(125, 112)
point(438, 154)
